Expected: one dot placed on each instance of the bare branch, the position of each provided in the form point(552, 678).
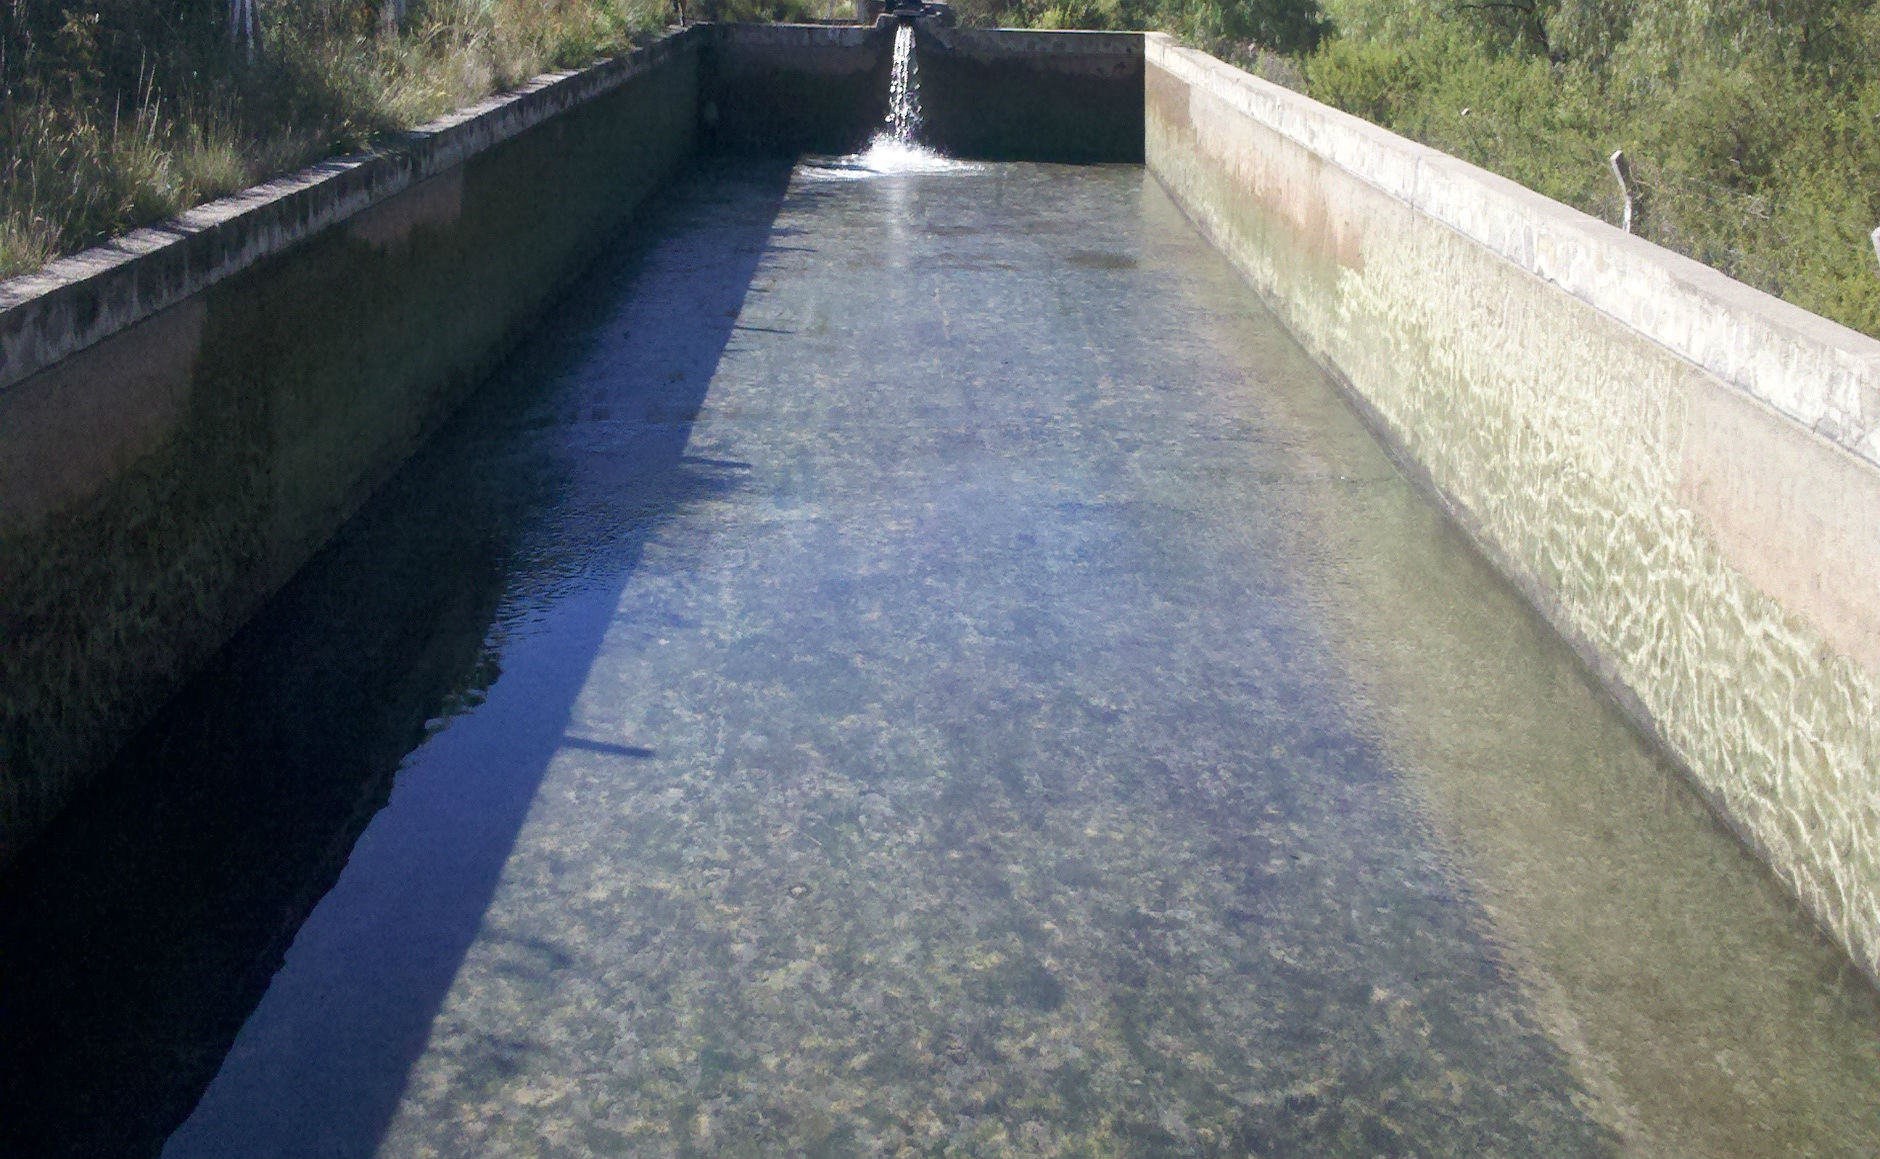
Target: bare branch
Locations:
point(1622, 169)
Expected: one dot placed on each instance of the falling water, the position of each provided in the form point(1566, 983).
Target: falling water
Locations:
point(896, 148)
point(903, 90)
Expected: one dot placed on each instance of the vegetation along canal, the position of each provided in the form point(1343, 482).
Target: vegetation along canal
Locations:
point(910, 663)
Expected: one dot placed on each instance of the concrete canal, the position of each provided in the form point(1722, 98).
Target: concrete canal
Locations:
point(910, 658)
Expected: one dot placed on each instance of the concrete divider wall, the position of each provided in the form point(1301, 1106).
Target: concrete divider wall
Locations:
point(1681, 472)
point(796, 88)
point(985, 93)
point(1010, 94)
point(188, 414)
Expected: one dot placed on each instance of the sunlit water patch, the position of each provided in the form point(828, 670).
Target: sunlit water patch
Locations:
point(884, 157)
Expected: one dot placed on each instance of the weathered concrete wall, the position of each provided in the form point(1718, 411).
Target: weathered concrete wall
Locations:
point(796, 88)
point(1682, 473)
point(1006, 94)
point(188, 414)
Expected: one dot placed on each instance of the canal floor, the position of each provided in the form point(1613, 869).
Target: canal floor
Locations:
point(911, 664)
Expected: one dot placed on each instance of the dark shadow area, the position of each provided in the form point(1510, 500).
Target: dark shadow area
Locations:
point(787, 90)
point(1007, 95)
point(140, 933)
point(634, 752)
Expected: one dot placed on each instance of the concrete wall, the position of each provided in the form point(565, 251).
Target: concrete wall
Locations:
point(1681, 472)
point(1005, 94)
point(796, 88)
point(186, 415)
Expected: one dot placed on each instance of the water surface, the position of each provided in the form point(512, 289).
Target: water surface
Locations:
point(913, 664)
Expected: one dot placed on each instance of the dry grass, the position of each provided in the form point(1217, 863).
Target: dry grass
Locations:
point(87, 157)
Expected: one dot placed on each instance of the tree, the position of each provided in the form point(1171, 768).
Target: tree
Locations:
point(244, 27)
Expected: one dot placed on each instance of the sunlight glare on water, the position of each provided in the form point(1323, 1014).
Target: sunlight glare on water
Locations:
point(886, 157)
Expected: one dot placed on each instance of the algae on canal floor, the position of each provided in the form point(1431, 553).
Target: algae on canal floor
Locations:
point(961, 683)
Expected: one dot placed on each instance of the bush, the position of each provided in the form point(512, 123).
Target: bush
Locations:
point(1752, 126)
point(1237, 29)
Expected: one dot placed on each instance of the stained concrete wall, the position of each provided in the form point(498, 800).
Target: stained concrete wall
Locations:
point(186, 415)
point(796, 88)
point(1681, 472)
point(1007, 94)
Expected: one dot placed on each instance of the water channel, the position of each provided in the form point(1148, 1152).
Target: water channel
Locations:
point(910, 660)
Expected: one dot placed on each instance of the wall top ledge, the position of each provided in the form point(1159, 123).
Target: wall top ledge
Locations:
point(1818, 372)
point(79, 300)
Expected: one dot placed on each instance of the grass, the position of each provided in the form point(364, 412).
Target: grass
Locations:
point(120, 113)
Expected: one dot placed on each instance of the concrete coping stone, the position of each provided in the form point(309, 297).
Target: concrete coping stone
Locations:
point(1820, 373)
point(76, 301)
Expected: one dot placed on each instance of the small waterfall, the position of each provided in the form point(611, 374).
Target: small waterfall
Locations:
point(903, 90)
point(896, 148)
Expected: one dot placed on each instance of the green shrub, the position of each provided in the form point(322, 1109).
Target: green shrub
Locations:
point(1237, 29)
point(1752, 126)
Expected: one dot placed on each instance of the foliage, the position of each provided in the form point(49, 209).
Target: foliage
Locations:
point(1752, 126)
point(1237, 29)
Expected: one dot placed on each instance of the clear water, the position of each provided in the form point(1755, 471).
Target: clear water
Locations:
point(910, 664)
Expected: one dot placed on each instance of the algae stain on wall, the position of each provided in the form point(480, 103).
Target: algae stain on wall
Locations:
point(436, 203)
point(1558, 438)
point(65, 434)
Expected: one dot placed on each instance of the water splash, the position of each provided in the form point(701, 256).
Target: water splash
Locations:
point(885, 155)
point(896, 149)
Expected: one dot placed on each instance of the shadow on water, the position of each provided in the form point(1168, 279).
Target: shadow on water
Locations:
point(145, 935)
